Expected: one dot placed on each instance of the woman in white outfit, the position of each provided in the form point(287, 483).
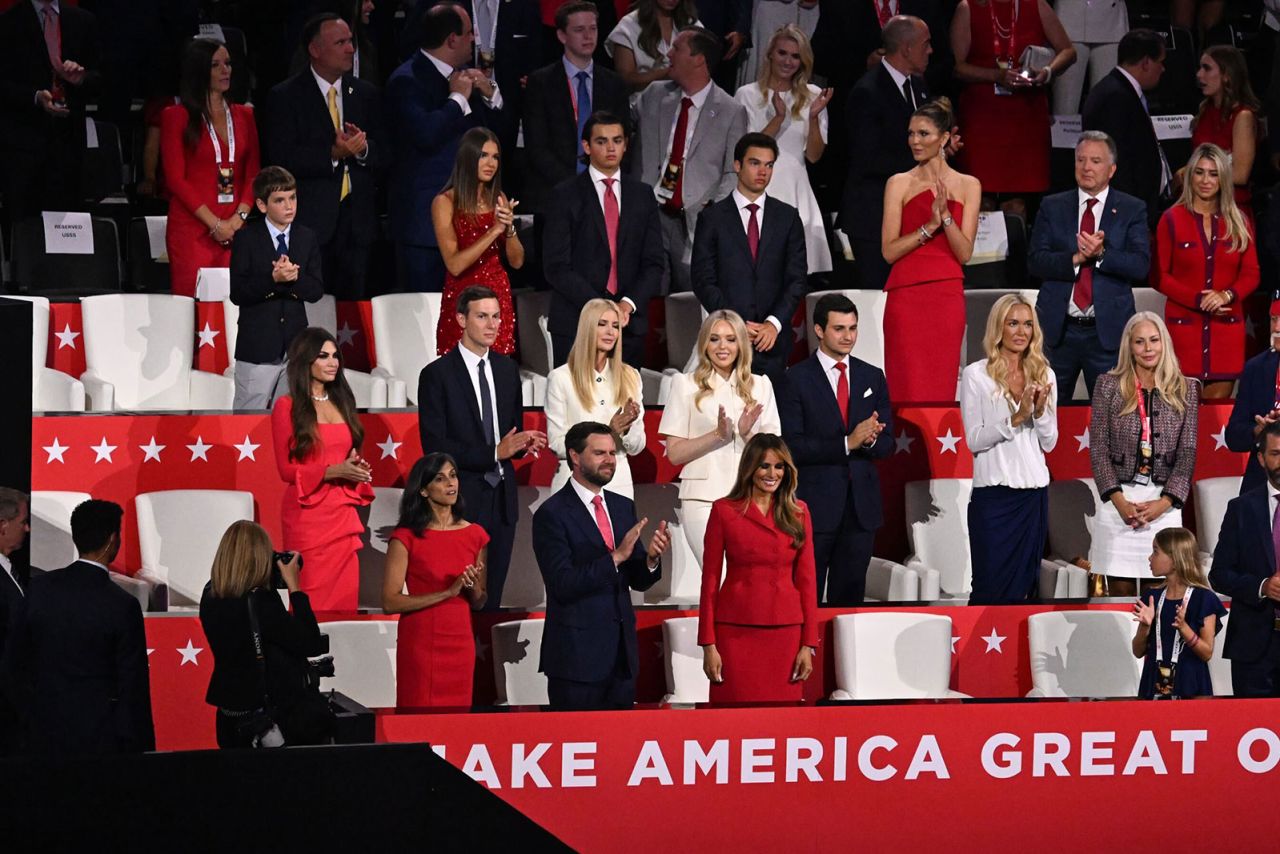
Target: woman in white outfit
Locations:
point(710, 415)
point(639, 44)
point(1095, 27)
point(596, 385)
point(767, 17)
point(786, 106)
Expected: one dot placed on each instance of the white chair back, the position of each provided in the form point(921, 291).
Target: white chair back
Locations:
point(686, 683)
point(938, 528)
point(532, 308)
point(379, 520)
point(142, 344)
point(179, 531)
point(1083, 654)
point(404, 335)
point(323, 313)
point(364, 661)
point(893, 656)
point(1073, 507)
point(231, 328)
point(39, 334)
point(1212, 496)
point(870, 344)
point(51, 545)
point(517, 651)
point(1149, 299)
point(684, 320)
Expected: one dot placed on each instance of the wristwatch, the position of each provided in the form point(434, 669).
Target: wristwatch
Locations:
point(948, 221)
point(244, 215)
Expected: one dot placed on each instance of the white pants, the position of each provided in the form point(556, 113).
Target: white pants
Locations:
point(1068, 88)
point(686, 579)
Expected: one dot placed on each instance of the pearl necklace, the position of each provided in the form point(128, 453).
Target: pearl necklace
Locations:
point(323, 399)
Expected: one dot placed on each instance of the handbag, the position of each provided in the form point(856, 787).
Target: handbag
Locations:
point(1036, 57)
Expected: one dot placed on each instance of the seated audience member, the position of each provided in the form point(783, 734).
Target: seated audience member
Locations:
point(268, 699)
point(587, 542)
point(434, 579)
point(1177, 621)
point(14, 527)
point(80, 651)
point(275, 267)
point(1257, 403)
point(560, 98)
point(602, 238)
point(761, 277)
point(596, 385)
point(1228, 118)
point(641, 43)
point(1206, 263)
point(1090, 248)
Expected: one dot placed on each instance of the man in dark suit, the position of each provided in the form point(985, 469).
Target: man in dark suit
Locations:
point(48, 71)
point(587, 542)
point(602, 238)
point(1117, 106)
point(879, 110)
point(749, 256)
point(1245, 568)
point(559, 99)
point(15, 524)
point(837, 421)
point(80, 650)
point(324, 126)
point(1089, 247)
point(470, 406)
point(1257, 403)
point(431, 102)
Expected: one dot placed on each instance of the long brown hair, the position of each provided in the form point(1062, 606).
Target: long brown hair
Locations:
point(683, 15)
point(786, 513)
point(243, 560)
point(1236, 89)
point(304, 350)
point(465, 179)
point(193, 87)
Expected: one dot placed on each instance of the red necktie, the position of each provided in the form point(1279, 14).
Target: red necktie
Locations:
point(52, 36)
point(753, 233)
point(842, 392)
point(1082, 293)
point(611, 228)
point(676, 203)
point(602, 521)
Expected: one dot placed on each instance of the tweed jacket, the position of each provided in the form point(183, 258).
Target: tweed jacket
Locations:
point(1113, 440)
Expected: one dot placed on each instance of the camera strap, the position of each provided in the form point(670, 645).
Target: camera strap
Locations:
point(259, 651)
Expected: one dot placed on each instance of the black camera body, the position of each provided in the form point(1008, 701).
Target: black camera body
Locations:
point(277, 580)
point(321, 666)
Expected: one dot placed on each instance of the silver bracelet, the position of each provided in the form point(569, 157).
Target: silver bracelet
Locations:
point(924, 235)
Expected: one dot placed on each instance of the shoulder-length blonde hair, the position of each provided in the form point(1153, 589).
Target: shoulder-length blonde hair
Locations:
point(1180, 545)
point(243, 560)
point(582, 358)
point(1170, 383)
point(1237, 229)
point(800, 82)
point(741, 369)
point(786, 513)
point(1035, 367)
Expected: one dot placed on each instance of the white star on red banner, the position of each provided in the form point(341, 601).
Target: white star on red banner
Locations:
point(151, 450)
point(1220, 439)
point(66, 338)
point(199, 451)
point(902, 443)
point(189, 653)
point(103, 451)
point(55, 451)
point(1083, 439)
point(388, 448)
point(207, 335)
point(346, 335)
point(994, 642)
point(246, 449)
point(949, 442)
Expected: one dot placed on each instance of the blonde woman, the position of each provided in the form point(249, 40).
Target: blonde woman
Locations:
point(1206, 263)
point(1142, 449)
point(596, 385)
point(785, 105)
point(1007, 403)
point(710, 415)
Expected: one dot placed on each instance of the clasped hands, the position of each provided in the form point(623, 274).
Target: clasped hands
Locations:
point(284, 270)
point(658, 543)
point(529, 441)
point(1271, 587)
point(865, 432)
point(465, 80)
point(504, 213)
point(1214, 302)
point(1139, 514)
point(746, 423)
point(762, 335)
point(713, 664)
point(1260, 422)
point(354, 468)
point(348, 142)
point(1031, 405)
point(71, 72)
point(1089, 247)
point(467, 579)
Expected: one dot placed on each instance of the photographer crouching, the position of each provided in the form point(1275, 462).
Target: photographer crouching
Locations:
point(265, 689)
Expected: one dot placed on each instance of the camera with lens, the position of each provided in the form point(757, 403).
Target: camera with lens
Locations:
point(277, 558)
point(321, 666)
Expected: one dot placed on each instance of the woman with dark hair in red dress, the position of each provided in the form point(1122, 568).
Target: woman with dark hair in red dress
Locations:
point(1228, 117)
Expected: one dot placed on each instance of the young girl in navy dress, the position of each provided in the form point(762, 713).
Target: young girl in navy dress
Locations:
point(1176, 659)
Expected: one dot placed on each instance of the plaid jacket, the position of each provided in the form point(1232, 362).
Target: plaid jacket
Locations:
point(1113, 440)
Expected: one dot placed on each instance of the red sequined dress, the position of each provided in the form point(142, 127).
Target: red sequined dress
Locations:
point(487, 271)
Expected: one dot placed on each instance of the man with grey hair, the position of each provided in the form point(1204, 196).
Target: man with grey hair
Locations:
point(1089, 247)
point(14, 526)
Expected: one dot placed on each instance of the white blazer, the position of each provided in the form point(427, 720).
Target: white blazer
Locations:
point(564, 409)
point(711, 476)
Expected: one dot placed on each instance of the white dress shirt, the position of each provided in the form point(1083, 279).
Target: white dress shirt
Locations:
point(745, 215)
point(1082, 200)
point(1004, 455)
point(446, 71)
point(899, 79)
point(597, 181)
point(564, 409)
point(275, 234)
point(833, 378)
point(472, 361)
point(699, 98)
point(588, 498)
point(8, 570)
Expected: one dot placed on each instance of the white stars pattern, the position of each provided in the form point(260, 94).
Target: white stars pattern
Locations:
point(388, 448)
point(103, 451)
point(993, 642)
point(189, 654)
point(1083, 439)
point(207, 335)
point(346, 335)
point(246, 449)
point(199, 451)
point(948, 442)
point(151, 450)
point(1220, 439)
point(66, 338)
point(55, 451)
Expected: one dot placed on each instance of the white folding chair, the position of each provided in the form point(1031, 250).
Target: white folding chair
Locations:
point(404, 337)
point(870, 344)
point(1083, 654)
point(51, 391)
point(938, 530)
point(517, 651)
point(364, 661)
point(892, 656)
point(178, 535)
point(1212, 497)
point(686, 683)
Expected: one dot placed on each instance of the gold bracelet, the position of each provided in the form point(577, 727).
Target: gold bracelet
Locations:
point(510, 232)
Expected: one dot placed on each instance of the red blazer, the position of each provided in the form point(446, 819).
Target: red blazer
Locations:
point(768, 583)
point(191, 174)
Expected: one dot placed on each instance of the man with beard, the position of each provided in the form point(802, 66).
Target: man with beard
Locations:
point(587, 542)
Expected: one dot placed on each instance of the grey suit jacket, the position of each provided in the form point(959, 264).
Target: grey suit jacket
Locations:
point(708, 162)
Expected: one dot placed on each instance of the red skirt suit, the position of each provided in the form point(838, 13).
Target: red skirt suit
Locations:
point(487, 271)
point(191, 177)
point(1209, 346)
point(765, 609)
point(436, 649)
point(319, 517)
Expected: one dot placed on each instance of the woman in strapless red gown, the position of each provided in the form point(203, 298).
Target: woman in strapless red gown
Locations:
point(930, 220)
point(475, 226)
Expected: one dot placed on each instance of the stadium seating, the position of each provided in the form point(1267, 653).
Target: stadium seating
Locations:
point(178, 535)
point(35, 271)
point(51, 391)
point(888, 656)
point(1082, 654)
point(1212, 495)
point(686, 683)
point(516, 651)
point(404, 336)
point(378, 520)
point(870, 344)
point(364, 661)
point(938, 531)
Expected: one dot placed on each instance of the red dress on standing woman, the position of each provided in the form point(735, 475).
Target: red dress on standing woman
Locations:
point(318, 516)
point(1212, 127)
point(191, 177)
point(487, 271)
point(435, 647)
point(1006, 137)
point(924, 312)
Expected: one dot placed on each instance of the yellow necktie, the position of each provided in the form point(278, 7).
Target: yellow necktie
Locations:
point(337, 126)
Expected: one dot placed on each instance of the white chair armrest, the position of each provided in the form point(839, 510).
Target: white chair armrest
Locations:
point(397, 393)
point(212, 391)
point(1077, 581)
point(1039, 692)
point(381, 372)
point(100, 393)
point(841, 694)
point(533, 387)
point(957, 695)
point(930, 583)
point(891, 582)
point(58, 392)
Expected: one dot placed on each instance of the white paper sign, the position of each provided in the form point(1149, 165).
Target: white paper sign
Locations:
point(213, 31)
point(156, 227)
point(1065, 130)
point(90, 133)
point(68, 233)
point(991, 243)
point(1172, 127)
point(213, 284)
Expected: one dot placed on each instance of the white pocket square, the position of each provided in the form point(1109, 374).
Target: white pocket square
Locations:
point(867, 393)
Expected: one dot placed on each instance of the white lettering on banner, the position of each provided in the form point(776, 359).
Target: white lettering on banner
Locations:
point(840, 758)
point(871, 772)
point(1042, 757)
point(1244, 751)
point(1009, 763)
point(527, 766)
point(1050, 751)
point(1188, 738)
point(1145, 754)
point(716, 758)
point(572, 761)
point(1095, 759)
point(808, 763)
point(928, 760)
point(479, 767)
point(650, 765)
point(754, 765)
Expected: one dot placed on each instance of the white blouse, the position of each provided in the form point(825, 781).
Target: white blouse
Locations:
point(627, 34)
point(1004, 455)
point(564, 409)
point(711, 476)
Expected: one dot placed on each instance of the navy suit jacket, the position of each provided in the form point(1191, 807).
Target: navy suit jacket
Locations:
point(1126, 262)
point(1113, 106)
point(449, 421)
point(1244, 558)
point(1256, 395)
point(271, 312)
point(829, 476)
point(588, 607)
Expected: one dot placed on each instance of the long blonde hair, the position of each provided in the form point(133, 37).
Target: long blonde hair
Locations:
point(800, 82)
point(1170, 383)
point(1180, 545)
point(742, 368)
point(582, 358)
point(243, 560)
point(1035, 367)
point(1237, 228)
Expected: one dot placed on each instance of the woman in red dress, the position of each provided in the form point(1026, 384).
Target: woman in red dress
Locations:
point(1206, 263)
point(930, 220)
point(472, 219)
point(1228, 117)
point(759, 628)
point(209, 153)
point(438, 557)
point(317, 437)
point(1004, 106)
